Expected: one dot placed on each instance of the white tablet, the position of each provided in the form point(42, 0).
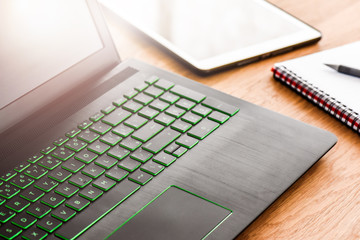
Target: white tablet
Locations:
point(214, 34)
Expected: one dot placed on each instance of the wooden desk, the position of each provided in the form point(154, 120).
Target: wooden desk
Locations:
point(325, 202)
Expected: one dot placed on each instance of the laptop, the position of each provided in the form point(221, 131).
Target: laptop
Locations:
point(95, 148)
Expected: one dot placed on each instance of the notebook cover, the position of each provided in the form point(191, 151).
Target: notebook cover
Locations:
point(334, 92)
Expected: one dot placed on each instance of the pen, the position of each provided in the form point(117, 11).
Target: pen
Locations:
point(344, 69)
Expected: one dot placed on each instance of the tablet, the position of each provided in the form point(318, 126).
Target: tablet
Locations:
point(214, 34)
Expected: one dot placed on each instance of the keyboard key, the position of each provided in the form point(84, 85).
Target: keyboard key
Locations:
point(164, 119)
point(98, 147)
point(24, 220)
point(34, 233)
point(93, 171)
point(6, 214)
point(35, 171)
point(201, 110)
point(80, 180)
point(151, 80)
point(21, 181)
point(108, 109)
point(118, 152)
point(73, 165)
point(152, 168)
point(187, 141)
point(120, 101)
point(141, 155)
point(179, 152)
point(85, 124)
point(164, 159)
point(130, 94)
point(130, 143)
point(135, 121)
point(129, 164)
point(164, 84)
point(148, 112)
point(63, 213)
point(185, 104)
point(52, 199)
point(106, 162)
point(8, 191)
point(161, 140)
point(9, 231)
point(100, 128)
point(60, 141)
point(49, 224)
point(203, 129)
point(169, 97)
point(34, 158)
point(97, 116)
point(147, 131)
point(218, 117)
point(46, 184)
point(32, 194)
point(175, 111)
point(143, 99)
point(60, 174)
point(49, 162)
point(62, 153)
point(153, 91)
point(72, 133)
point(86, 156)
point(191, 118)
point(47, 149)
point(17, 204)
point(116, 174)
point(115, 118)
point(220, 106)
point(111, 139)
point(91, 193)
point(123, 130)
point(75, 144)
point(104, 183)
point(67, 190)
point(77, 203)
point(132, 106)
point(159, 105)
point(140, 177)
point(171, 148)
point(97, 209)
point(38, 210)
point(141, 87)
point(7, 176)
point(88, 136)
point(188, 93)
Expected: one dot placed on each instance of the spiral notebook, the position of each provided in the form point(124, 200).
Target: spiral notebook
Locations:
point(336, 93)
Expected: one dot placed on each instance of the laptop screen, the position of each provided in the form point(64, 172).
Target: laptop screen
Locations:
point(39, 40)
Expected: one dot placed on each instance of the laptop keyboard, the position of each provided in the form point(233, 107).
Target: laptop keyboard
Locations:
point(92, 168)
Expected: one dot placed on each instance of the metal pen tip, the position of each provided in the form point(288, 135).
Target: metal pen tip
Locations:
point(333, 66)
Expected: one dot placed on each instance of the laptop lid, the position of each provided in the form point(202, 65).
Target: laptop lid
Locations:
point(47, 49)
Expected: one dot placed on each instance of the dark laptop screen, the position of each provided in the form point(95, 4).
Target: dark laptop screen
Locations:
point(39, 40)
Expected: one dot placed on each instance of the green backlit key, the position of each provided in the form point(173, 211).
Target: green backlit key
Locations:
point(73, 165)
point(46, 184)
point(152, 168)
point(98, 147)
point(47, 149)
point(77, 203)
point(148, 131)
point(6, 214)
point(86, 156)
point(129, 164)
point(88, 136)
point(187, 141)
point(21, 167)
point(175, 111)
point(164, 159)
point(130, 144)
point(164, 84)
point(35, 171)
point(24, 220)
point(220, 106)
point(97, 116)
point(118, 152)
point(111, 139)
point(164, 119)
point(53, 199)
point(141, 87)
point(218, 117)
point(93, 171)
point(161, 140)
point(9, 231)
point(80, 180)
point(201, 110)
point(38, 210)
point(108, 109)
point(85, 124)
point(67, 190)
point(188, 93)
point(185, 104)
point(179, 152)
point(62, 153)
point(148, 112)
point(60, 141)
point(34, 233)
point(191, 118)
point(123, 130)
point(17, 204)
point(49, 162)
point(203, 129)
point(141, 155)
point(63, 213)
point(22, 181)
point(35, 158)
point(135, 121)
point(91, 193)
point(106, 162)
point(116, 117)
point(151, 80)
point(104, 183)
point(131, 94)
point(72, 133)
point(132, 106)
point(140, 177)
point(7, 176)
point(169, 97)
point(100, 128)
point(116, 174)
point(60, 174)
point(75, 144)
point(159, 105)
point(49, 224)
point(32, 194)
point(153, 91)
point(143, 99)
point(120, 101)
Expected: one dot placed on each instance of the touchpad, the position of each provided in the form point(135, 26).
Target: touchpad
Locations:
point(174, 214)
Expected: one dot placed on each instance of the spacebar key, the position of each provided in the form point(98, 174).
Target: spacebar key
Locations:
point(98, 209)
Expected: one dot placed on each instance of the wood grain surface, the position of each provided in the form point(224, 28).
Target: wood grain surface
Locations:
point(324, 203)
